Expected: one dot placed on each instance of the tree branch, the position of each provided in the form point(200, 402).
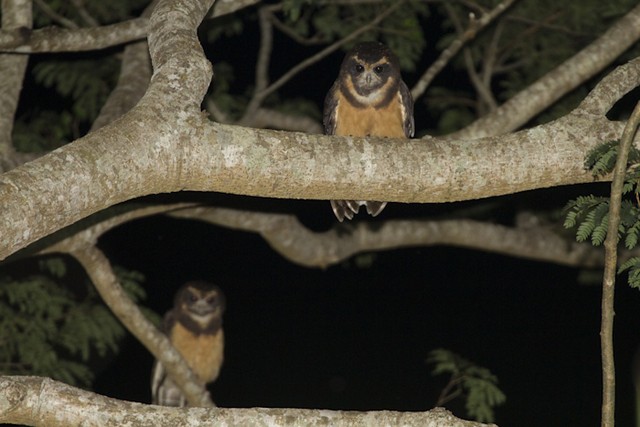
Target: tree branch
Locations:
point(610, 270)
point(43, 402)
point(558, 82)
point(287, 236)
point(53, 39)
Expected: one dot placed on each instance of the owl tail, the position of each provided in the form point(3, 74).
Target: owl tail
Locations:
point(348, 208)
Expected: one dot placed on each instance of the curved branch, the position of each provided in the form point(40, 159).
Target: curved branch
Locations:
point(286, 235)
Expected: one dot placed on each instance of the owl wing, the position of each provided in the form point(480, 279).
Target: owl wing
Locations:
point(330, 109)
point(163, 390)
point(407, 110)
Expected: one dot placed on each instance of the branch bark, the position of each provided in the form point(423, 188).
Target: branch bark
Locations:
point(43, 402)
point(610, 270)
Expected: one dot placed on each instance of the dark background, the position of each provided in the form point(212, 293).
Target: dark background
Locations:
point(357, 338)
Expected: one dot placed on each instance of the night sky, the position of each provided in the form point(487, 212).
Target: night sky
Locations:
point(357, 338)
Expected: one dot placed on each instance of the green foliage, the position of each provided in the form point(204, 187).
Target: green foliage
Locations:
point(478, 385)
point(633, 266)
point(590, 214)
point(48, 329)
point(87, 82)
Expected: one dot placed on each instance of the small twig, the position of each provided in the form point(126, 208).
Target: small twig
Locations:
point(475, 27)
point(55, 17)
point(446, 395)
point(84, 14)
point(264, 52)
point(478, 83)
point(216, 113)
point(535, 28)
point(610, 269)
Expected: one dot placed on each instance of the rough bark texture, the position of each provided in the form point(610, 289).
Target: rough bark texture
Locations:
point(44, 402)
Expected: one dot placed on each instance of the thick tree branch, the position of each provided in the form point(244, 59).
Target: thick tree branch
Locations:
point(552, 86)
point(212, 157)
point(43, 402)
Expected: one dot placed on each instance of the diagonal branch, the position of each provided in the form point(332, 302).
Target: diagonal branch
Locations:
point(475, 26)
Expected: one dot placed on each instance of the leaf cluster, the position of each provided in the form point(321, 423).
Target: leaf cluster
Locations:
point(589, 215)
point(476, 384)
point(49, 329)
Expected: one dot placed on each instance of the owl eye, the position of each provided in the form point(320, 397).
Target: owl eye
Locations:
point(193, 298)
point(379, 69)
point(359, 68)
point(211, 299)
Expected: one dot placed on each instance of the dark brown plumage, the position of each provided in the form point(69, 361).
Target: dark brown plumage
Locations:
point(368, 98)
point(194, 327)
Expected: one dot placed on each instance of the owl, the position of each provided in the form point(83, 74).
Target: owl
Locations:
point(194, 327)
point(368, 98)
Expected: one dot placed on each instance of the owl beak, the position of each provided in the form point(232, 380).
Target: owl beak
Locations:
point(368, 79)
point(201, 308)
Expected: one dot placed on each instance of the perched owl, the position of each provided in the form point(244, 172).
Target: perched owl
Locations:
point(194, 327)
point(369, 98)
